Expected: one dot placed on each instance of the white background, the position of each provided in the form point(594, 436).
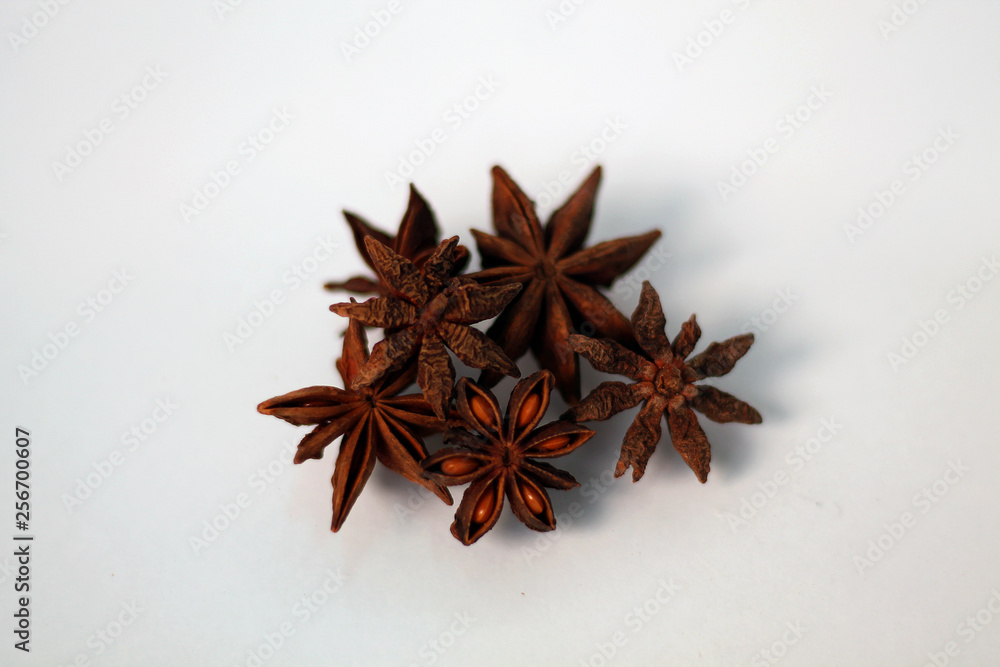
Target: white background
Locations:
point(817, 554)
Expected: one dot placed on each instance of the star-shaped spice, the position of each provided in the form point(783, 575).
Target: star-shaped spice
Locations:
point(496, 454)
point(559, 277)
point(374, 421)
point(666, 383)
point(426, 312)
point(416, 240)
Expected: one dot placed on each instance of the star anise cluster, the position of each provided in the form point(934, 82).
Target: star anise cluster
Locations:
point(542, 288)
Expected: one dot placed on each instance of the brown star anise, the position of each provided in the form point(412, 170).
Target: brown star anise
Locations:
point(666, 383)
point(559, 277)
point(416, 240)
point(496, 454)
point(373, 420)
point(426, 310)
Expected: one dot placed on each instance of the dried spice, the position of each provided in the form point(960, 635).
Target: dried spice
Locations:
point(496, 454)
point(374, 421)
point(665, 382)
point(559, 277)
point(425, 311)
point(543, 286)
point(416, 240)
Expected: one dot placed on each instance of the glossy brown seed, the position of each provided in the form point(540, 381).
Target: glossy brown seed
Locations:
point(458, 465)
point(553, 444)
point(504, 465)
point(529, 410)
point(532, 499)
point(484, 507)
point(483, 411)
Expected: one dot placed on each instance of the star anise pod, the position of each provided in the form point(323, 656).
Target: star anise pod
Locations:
point(416, 240)
point(559, 277)
point(497, 455)
point(374, 421)
point(427, 311)
point(665, 382)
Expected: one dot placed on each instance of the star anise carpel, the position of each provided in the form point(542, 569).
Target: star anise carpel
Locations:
point(374, 421)
point(497, 453)
point(559, 276)
point(665, 383)
point(426, 311)
point(416, 240)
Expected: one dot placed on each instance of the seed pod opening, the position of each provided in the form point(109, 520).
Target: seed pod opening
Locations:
point(532, 498)
point(483, 410)
point(553, 444)
point(529, 410)
point(484, 507)
point(456, 466)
